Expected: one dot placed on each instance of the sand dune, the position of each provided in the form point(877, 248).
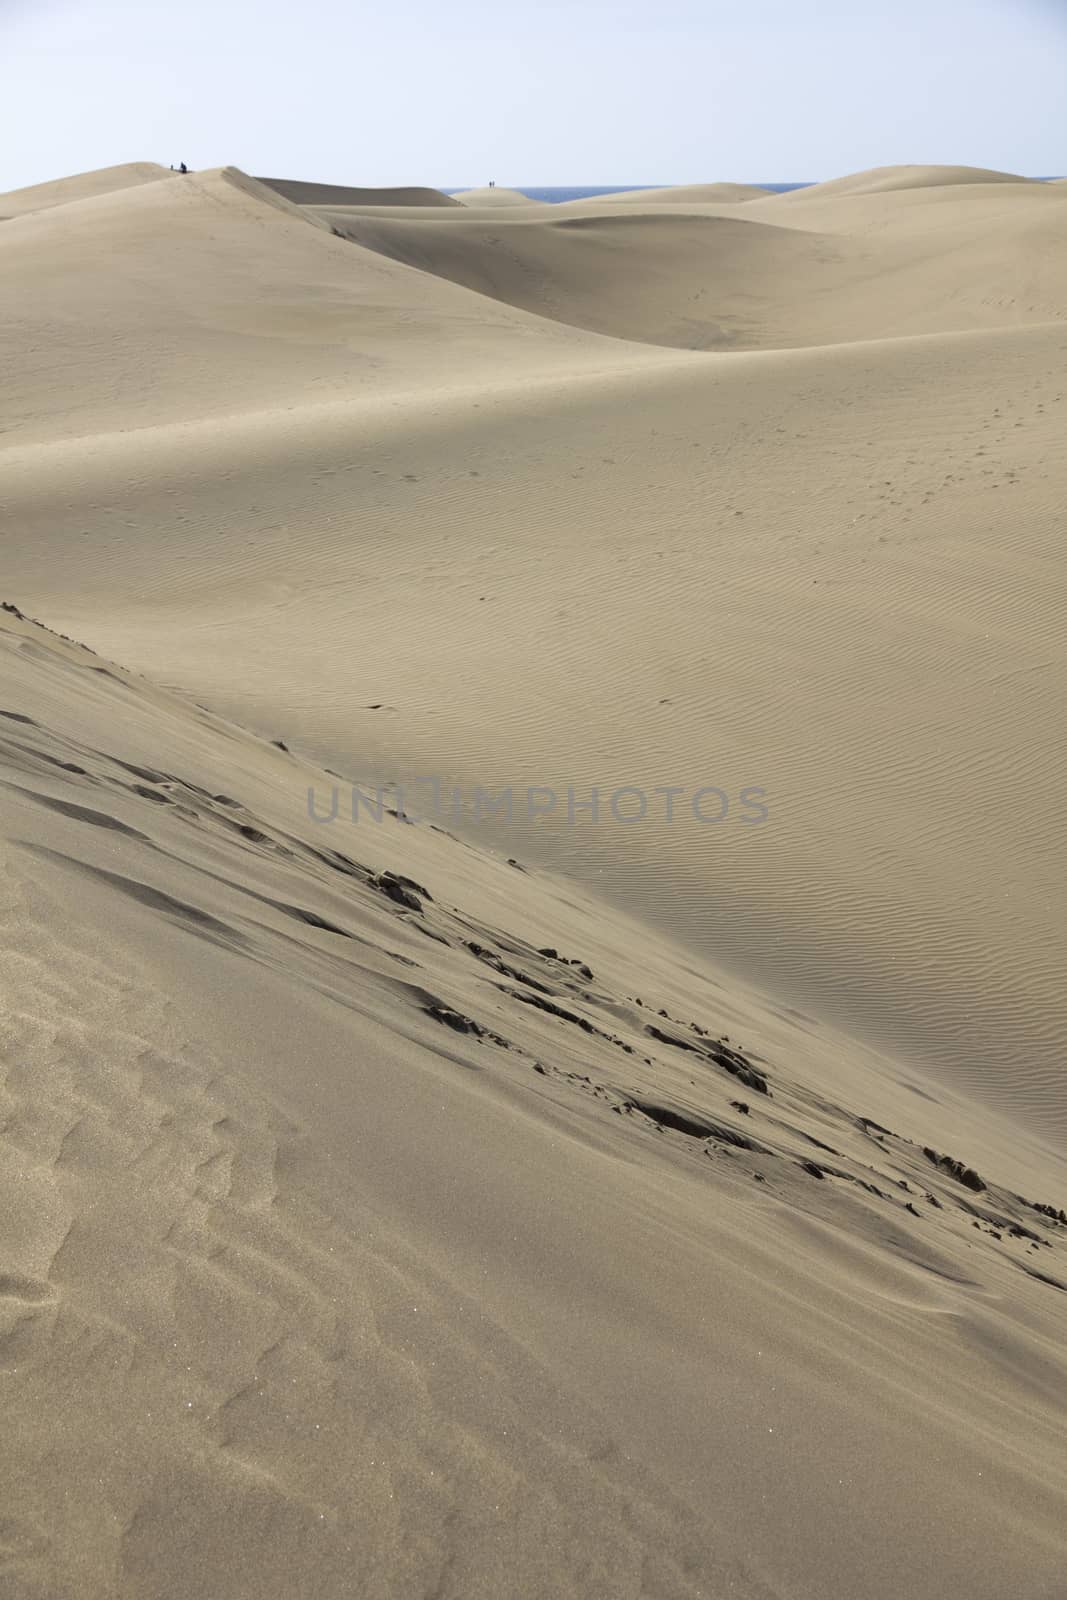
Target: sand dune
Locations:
point(694, 280)
point(877, 485)
point(839, 513)
point(925, 213)
point(883, 180)
point(492, 197)
point(333, 194)
point(86, 185)
point(561, 1205)
point(340, 1209)
point(216, 297)
point(681, 194)
point(284, 547)
point(191, 316)
point(682, 281)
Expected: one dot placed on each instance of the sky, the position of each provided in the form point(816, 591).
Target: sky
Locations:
point(556, 92)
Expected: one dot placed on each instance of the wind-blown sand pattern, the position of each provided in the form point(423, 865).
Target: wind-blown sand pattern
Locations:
point(603, 1210)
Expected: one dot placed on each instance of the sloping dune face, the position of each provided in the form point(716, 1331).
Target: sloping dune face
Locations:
point(363, 1170)
point(333, 194)
point(85, 186)
point(687, 281)
point(710, 278)
point(682, 1022)
point(216, 297)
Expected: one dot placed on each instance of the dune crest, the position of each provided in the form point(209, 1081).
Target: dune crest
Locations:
point(83, 186)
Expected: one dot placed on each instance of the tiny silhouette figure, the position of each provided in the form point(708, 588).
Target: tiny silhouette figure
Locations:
point(183, 168)
point(492, 185)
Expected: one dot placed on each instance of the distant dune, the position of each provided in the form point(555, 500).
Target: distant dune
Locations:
point(332, 194)
point(880, 180)
point(689, 282)
point(493, 197)
point(683, 194)
point(622, 1149)
point(743, 280)
point(84, 186)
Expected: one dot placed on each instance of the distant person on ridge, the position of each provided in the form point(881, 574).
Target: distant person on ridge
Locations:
point(183, 168)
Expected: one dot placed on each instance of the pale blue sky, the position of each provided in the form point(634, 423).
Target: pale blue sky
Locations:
point(561, 91)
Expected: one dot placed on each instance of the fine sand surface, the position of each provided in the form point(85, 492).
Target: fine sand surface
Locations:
point(381, 1218)
point(555, 1206)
